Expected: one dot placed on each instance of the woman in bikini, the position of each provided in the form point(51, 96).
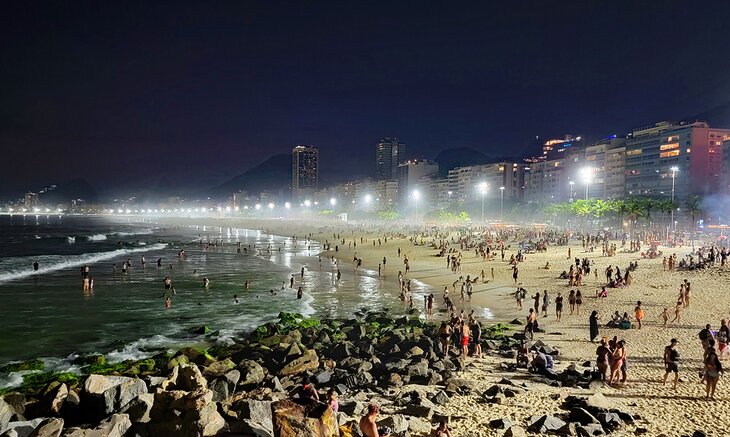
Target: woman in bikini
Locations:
point(618, 356)
point(578, 301)
point(713, 369)
point(445, 333)
point(571, 300)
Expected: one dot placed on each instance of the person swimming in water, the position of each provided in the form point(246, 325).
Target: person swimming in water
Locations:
point(206, 282)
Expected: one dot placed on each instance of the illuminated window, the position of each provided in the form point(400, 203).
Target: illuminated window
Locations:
point(633, 152)
point(688, 150)
point(669, 146)
point(673, 138)
point(669, 154)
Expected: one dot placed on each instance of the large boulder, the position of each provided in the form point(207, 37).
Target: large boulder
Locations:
point(20, 428)
point(48, 428)
point(115, 425)
point(308, 361)
point(139, 408)
point(6, 413)
point(396, 422)
point(203, 421)
point(251, 373)
point(293, 420)
point(545, 424)
point(107, 394)
point(186, 378)
point(254, 417)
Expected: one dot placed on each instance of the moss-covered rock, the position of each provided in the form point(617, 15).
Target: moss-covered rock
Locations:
point(36, 382)
point(23, 366)
point(86, 360)
point(196, 355)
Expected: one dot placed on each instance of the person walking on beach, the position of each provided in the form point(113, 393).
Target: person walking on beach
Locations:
point(35, 266)
point(429, 306)
point(558, 306)
point(712, 371)
point(677, 309)
point(593, 325)
point(639, 313)
point(571, 301)
point(545, 303)
point(536, 304)
point(671, 362)
point(515, 273)
point(578, 301)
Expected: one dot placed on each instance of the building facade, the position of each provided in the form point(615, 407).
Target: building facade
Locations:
point(389, 154)
point(415, 180)
point(694, 150)
point(305, 172)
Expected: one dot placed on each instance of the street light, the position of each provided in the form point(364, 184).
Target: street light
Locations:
point(501, 202)
point(333, 201)
point(482, 187)
point(586, 175)
point(415, 196)
point(674, 169)
point(571, 189)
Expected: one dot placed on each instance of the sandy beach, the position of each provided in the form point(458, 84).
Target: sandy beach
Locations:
point(663, 410)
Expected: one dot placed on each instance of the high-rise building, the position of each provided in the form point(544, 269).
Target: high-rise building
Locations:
point(510, 175)
point(557, 149)
point(597, 170)
point(694, 150)
point(389, 154)
point(30, 200)
point(415, 178)
point(305, 172)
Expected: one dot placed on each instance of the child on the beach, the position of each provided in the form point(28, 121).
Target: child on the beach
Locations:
point(664, 316)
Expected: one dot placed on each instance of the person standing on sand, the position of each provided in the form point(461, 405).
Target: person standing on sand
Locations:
point(639, 313)
point(536, 304)
point(519, 297)
point(712, 371)
point(429, 304)
point(515, 273)
point(602, 359)
point(593, 325)
point(618, 363)
point(465, 332)
point(558, 306)
point(671, 362)
point(545, 303)
point(578, 301)
point(530, 325)
point(445, 333)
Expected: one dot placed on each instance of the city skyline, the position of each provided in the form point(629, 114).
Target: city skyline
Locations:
point(139, 101)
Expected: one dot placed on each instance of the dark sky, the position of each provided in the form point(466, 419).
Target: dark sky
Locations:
point(122, 93)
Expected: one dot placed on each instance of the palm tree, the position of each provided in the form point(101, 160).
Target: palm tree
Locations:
point(694, 206)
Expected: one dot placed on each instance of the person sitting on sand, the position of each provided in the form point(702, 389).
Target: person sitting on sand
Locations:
point(442, 430)
point(547, 266)
point(368, 425)
point(523, 354)
point(307, 393)
point(602, 293)
point(541, 363)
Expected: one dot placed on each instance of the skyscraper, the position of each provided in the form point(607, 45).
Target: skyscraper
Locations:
point(389, 153)
point(305, 171)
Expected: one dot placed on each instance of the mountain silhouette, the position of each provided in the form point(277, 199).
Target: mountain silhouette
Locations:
point(274, 175)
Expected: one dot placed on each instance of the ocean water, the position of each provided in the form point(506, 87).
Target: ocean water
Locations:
point(47, 314)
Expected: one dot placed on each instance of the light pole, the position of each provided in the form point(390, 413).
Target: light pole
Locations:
point(482, 187)
point(586, 174)
point(571, 190)
point(674, 169)
point(415, 195)
point(501, 202)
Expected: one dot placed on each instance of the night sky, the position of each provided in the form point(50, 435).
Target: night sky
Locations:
point(122, 93)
